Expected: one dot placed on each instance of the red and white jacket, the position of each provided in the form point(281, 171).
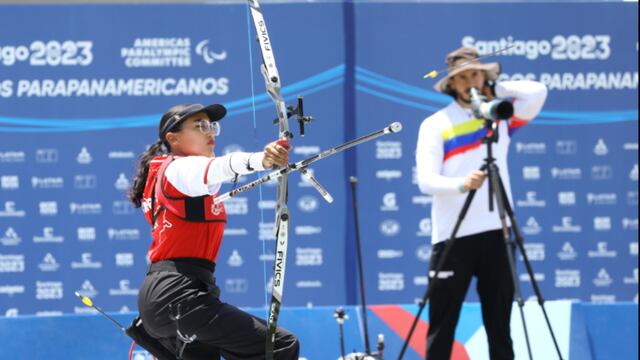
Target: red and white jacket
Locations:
point(187, 223)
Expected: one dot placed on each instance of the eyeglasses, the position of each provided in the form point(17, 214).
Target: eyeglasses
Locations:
point(209, 126)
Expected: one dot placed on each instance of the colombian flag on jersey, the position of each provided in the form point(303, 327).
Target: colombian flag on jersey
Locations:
point(468, 135)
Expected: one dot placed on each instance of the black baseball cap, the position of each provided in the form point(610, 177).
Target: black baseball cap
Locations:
point(180, 113)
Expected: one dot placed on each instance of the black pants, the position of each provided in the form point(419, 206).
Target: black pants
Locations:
point(482, 255)
point(220, 328)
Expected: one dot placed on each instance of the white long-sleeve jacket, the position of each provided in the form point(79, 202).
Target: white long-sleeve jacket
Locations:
point(449, 148)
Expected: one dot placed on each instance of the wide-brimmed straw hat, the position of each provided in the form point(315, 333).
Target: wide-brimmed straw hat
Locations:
point(464, 59)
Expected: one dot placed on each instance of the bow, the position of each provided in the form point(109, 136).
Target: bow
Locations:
point(272, 83)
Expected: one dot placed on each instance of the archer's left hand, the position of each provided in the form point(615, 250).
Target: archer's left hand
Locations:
point(276, 154)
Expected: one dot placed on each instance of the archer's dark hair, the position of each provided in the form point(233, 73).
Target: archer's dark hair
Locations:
point(158, 148)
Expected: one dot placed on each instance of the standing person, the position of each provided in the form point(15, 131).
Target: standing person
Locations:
point(177, 179)
point(448, 155)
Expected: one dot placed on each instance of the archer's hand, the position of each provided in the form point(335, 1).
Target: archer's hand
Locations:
point(474, 180)
point(276, 154)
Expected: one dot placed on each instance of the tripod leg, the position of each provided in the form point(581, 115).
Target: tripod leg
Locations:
point(498, 191)
point(527, 263)
point(367, 347)
point(342, 342)
point(438, 268)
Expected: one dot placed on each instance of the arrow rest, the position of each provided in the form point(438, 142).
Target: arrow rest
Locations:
point(297, 114)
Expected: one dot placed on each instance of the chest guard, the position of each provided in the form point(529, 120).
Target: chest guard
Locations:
point(192, 209)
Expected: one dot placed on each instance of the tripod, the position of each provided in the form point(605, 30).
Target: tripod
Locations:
point(340, 314)
point(497, 193)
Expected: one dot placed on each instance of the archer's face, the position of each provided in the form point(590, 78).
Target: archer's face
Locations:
point(463, 82)
point(194, 137)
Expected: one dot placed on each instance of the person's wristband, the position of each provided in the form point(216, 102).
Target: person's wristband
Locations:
point(461, 188)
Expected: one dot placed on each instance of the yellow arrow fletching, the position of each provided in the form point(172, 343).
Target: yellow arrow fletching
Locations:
point(432, 74)
point(87, 301)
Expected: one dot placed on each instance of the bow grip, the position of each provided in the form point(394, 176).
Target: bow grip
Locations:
point(284, 143)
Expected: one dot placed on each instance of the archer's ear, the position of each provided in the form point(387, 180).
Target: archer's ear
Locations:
point(171, 138)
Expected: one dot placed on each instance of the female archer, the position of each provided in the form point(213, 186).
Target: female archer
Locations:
point(177, 179)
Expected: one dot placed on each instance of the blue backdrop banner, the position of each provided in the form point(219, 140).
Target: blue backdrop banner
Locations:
point(80, 99)
point(574, 169)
